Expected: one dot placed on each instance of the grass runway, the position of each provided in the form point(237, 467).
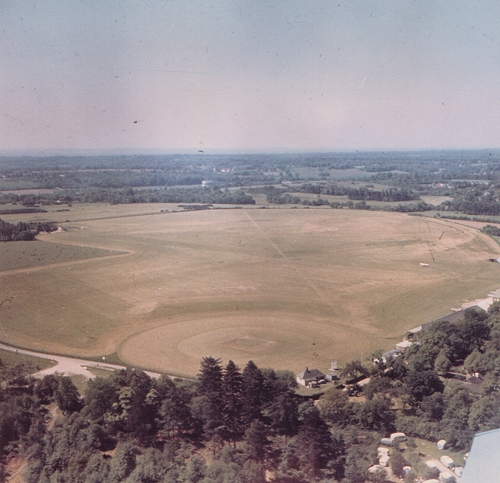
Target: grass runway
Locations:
point(285, 288)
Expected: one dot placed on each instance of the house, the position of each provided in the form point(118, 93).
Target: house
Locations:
point(474, 383)
point(310, 378)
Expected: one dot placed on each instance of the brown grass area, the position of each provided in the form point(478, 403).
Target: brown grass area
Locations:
point(9, 358)
point(286, 288)
point(22, 255)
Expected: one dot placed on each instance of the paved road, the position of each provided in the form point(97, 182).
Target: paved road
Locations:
point(70, 365)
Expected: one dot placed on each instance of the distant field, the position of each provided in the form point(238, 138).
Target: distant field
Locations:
point(286, 288)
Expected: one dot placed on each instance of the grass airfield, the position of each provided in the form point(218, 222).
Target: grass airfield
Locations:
point(287, 288)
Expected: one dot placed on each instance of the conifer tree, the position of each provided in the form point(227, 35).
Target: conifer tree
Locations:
point(314, 444)
point(210, 402)
point(253, 392)
point(232, 407)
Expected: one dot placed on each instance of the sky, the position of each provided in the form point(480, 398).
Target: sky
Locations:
point(249, 76)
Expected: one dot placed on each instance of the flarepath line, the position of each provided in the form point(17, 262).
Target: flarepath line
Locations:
point(300, 273)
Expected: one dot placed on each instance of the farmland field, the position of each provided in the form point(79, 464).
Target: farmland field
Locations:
point(285, 288)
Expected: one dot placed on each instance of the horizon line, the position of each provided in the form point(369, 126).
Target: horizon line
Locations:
point(77, 152)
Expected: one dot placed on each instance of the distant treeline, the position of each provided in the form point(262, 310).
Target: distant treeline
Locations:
point(23, 231)
point(476, 206)
point(281, 196)
point(392, 194)
point(130, 195)
point(491, 230)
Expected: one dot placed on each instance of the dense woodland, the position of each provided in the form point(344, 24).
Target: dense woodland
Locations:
point(231, 425)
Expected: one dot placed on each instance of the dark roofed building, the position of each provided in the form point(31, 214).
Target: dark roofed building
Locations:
point(310, 377)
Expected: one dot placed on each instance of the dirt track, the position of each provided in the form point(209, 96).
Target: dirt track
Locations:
point(69, 366)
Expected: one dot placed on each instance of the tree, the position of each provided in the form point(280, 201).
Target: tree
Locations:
point(122, 463)
point(353, 370)
point(210, 389)
point(67, 395)
point(45, 388)
point(256, 442)
point(253, 393)
point(475, 330)
point(175, 415)
point(381, 385)
point(231, 402)
point(144, 404)
point(485, 413)
point(397, 462)
point(474, 362)
point(314, 444)
point(284, 414)
point(100, 395)
point(332, 405)
point(195, 469)
point(210, 377)
point(432, 407)
point(421, 384)
point(455, 420)
point(376, 414)
point(442, 364)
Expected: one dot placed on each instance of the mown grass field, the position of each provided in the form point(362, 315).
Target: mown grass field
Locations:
point(285, 288)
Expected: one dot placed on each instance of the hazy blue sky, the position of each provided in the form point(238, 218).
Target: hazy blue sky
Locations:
point(255, 75)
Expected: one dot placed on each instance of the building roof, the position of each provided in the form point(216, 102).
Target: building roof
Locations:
point(311, 375)
point(403, 345)
point(483, 463)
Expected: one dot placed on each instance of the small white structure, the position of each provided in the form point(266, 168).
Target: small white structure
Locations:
point(447, 477)
point(431, 464)
point(403, 345)
point(447, 461)
point(458, 470)
point(432, 480)
point(331, 377)
point(495, 295)
point(386, 441)
point(415, 330)
point(376, 469)
point(441, 444)
point(398, 437)
point(384, 461)
point(381, 451)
